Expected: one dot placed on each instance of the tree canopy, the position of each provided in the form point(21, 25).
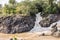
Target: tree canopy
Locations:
point(28, 7)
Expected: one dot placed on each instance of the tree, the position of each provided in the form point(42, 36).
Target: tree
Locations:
point(26, 7)
point(49, 7)
point(12, 1)
point(5, 10)
point(58, 6)
point(0, 8)
point(12, 7)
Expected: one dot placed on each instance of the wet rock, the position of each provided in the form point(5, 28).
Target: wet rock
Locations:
point(55, 26)
point(55, 31)
point(17, 24)
point(47, 21)
point(58, 24)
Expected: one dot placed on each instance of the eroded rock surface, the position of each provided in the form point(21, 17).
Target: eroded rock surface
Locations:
point(55, 31)
point(16, 24)
point(47, 21)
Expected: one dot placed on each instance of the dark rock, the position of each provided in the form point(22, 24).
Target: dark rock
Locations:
point(56, 34)
point(55, 31)
point(16, 24)
point(48, 20)
point(54, 28)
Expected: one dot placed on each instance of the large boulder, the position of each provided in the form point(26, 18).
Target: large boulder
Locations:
point(55, 30)
point(56, 34)
point(47, 21)
point(16, 24)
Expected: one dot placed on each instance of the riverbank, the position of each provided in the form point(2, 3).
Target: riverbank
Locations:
point(27, 36)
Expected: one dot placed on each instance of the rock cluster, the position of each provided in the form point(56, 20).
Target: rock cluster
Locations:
point(55, 31)
point(16, 24)
point(47, 21)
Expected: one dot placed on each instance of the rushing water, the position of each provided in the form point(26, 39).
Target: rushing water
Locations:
point(37, 27)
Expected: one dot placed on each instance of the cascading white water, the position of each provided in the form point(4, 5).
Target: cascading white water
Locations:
point(37, 27)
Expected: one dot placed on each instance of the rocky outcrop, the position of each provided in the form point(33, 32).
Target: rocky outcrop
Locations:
point(54, 28)
point(55, 31)
point(16, 24)
point(56, 34)
point(47, 21)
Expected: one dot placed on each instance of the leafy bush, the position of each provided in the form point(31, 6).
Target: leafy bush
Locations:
point(26, 7)
point(31, 7)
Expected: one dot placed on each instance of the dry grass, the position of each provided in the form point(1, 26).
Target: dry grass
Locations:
point(27, 36)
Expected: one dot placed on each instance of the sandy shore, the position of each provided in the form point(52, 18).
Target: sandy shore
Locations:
point(27, 36)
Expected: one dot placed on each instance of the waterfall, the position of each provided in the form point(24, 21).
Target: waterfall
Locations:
point(37, 27)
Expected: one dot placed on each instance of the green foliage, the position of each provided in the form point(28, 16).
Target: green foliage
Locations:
point(9, 9)
point(38, 4)
point(28, 7)
point(49, 7)
point(15, 38)
point(0, 9)
point(12, 1)
point(58, 6)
